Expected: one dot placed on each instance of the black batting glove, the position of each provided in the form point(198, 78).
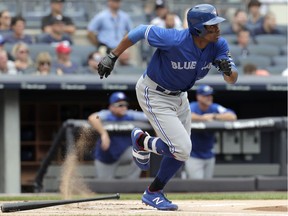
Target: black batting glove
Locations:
point(106, 65)
point(224, 66)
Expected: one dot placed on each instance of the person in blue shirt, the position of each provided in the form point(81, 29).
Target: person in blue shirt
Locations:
point(114, 151)
point(201, 163)
point(108, 27)
point(182, 57)
point(17, 34)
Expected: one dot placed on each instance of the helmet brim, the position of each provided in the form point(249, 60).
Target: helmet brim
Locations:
point(214, 21)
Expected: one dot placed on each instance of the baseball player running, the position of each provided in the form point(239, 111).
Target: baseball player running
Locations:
point(182, 57)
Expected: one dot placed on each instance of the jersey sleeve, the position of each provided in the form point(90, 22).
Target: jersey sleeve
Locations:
point(161, 38)
point(103, 114)
point(221, 109)
point(222, 52)
point(137, 115)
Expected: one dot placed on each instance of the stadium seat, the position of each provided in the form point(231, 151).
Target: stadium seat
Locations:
point(279, 60)
point(11, 6)
point(76, 10)
point(9, 47)
point(284, 50)
point(264, 50)
point(33, 11)
point(82, 52)
point(35, 49)
point(260, 61)
point(276, 70)
point(278, 40)
point(231, 38)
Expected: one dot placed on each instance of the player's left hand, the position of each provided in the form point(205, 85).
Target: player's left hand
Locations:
point(106, 65)
point(224, 65)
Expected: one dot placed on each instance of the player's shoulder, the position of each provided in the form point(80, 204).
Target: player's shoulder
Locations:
point(193, 104)
point(221, 42)
point(171, 34)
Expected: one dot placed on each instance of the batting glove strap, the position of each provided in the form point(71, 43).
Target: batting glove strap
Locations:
point(224, 66)
point(106, 65)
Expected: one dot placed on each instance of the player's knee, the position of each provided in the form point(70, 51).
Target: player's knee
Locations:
point(183, 152)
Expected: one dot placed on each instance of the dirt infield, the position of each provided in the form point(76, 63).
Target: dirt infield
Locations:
point(187, 208)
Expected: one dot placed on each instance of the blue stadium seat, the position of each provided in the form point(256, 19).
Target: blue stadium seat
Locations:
point(276, 70)
point(279, 60)
point(277, 40)
point(33, 11)
point(284, 50)
point(82, 52)
point(10, 5)
point(264, 50)
point(35, 49)
point(260, 61)
point(231, 38)
point(76, 10)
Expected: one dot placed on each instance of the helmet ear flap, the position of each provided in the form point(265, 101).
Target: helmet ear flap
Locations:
point(200, 33)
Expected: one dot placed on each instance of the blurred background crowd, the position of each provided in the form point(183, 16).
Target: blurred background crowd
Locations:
point(43, 37)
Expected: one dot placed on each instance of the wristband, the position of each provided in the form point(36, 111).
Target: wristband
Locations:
point(112, 56)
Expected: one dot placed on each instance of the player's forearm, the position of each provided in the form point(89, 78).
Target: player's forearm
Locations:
point(225, 116)
point(123, 45)
point(96, 123)
point(196, 117)
point(232, 78)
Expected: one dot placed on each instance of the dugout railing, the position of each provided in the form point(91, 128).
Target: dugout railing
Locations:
point(250, 177)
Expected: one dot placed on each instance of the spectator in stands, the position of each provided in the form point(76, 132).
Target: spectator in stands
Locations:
point(243, 41)
point(268, 26)
point(238, 22)
point(56, 33)
point(6, 66)
point(93, 60)
point(108, 27)
point(170, 20)
point(251, 69)
point(57, 10)
point(5, 22)
point(22, 59)
point(161, 11)
point(113, 151)
point(43, 64)
point(254, 14)
point(201, 163)
point(64, 64)
point(18, 32)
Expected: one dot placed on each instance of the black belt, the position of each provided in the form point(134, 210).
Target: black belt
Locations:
point(174, 93)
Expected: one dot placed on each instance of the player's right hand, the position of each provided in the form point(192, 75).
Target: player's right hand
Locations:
point(224, 65)
point(106, 65)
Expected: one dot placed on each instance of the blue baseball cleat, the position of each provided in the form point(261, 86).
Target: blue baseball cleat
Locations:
point(140, 156)
point(158, 200)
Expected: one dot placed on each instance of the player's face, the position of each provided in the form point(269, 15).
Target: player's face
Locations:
point(213, 33)
point(120, 108)
point(205, 100)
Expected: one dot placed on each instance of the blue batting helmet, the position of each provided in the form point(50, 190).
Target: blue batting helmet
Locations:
point(201, 15)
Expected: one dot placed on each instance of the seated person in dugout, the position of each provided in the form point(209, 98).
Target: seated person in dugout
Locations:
point(201, 162)
point(112, 152)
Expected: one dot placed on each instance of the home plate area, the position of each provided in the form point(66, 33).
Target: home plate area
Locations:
point(187, 208)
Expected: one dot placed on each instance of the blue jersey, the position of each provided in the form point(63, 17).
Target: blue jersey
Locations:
point(178, 63)
point(119, 143)
point(203, 141)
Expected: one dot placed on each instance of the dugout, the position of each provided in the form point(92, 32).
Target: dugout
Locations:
point(34, 108)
